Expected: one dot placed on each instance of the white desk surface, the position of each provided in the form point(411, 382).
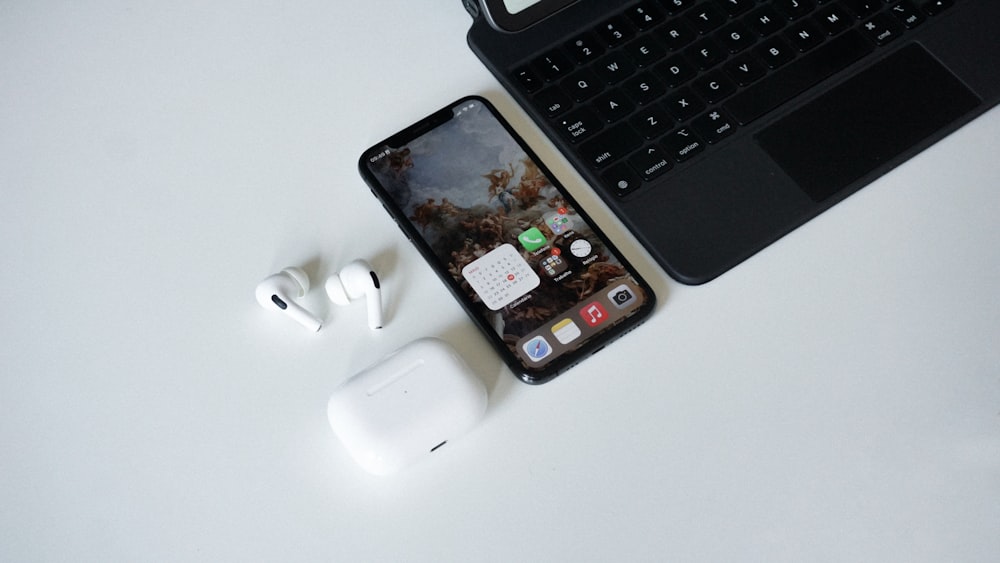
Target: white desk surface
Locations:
point(835, 398)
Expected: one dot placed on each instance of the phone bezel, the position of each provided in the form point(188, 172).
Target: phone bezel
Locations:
point(527, 373)
point(502, 20)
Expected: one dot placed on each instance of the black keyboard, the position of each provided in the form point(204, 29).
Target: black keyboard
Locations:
point(665, 80)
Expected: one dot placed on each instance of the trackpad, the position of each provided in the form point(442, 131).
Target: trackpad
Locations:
point(873, 117)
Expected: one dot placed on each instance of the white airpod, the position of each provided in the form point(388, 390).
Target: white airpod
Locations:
point(355, 280)
point(276, 292)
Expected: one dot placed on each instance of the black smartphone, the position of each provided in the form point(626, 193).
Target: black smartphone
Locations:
point(533, 271)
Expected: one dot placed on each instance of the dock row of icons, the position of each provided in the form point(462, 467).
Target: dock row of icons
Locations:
point(566, 330)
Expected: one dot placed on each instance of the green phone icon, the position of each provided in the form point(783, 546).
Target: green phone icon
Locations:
point(532, 239)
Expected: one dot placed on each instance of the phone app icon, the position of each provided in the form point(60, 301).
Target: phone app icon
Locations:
point(621, 296)
point(593, 314)
point(537, 348)
point(566, 331)
point(553, 265)
point(559, 221)
point(532, 239)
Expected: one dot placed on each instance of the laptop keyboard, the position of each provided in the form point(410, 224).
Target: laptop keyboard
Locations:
point(667, 80)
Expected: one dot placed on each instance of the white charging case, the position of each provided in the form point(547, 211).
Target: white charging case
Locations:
point(406, 406)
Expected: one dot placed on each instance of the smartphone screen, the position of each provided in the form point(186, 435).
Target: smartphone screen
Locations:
point(530, 268)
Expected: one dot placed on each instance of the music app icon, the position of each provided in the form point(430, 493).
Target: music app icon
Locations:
point(593, 314)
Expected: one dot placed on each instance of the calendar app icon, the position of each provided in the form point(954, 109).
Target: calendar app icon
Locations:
point(500, 276)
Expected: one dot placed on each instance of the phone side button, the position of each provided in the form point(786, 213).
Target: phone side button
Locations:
point(620, 179)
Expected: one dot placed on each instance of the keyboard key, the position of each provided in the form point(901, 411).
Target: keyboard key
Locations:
point(613, 106)
point(614, 68)
point(675, 71)
point(833, 19)
point(775, 52)
point(736, 37)
point(644, 88)
point(714, 126)
point(882, 29)
point(582, 85)
point(765, 21)
point(652, 122)
point(609, 146)
point(935, 7)
point(620, 179)
point(578, 124)
point(794, 9)
point(584, 48)
point(676, 6)
point(908, 14)
point(644, 15)
point(804, 35)
point(553, 65)
point(528, 79)
point(650, 162)
point(863, 8)
point(683, 104)
point(735, 7)
point(706, 18)
point(706, 54)
point(645, 51)
point(798, 76)
point(745, 69)
point(682, 144)
point(714, 86)
point(676, 34)
point(615, 31)
point(553, 101)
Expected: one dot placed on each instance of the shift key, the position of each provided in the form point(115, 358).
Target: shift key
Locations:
point(611, 145)
point(797, 77)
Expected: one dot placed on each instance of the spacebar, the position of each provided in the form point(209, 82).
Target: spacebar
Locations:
point(798, 76)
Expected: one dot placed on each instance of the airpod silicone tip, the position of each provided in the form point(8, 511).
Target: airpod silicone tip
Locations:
point(300, 276)
point(335, 291)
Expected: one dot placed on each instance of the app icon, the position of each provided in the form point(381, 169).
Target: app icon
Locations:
point(593, 314)
point(532, 239)
point(537, 348)
point(553, 265)
point(580, 248)
point(621, 296)
point(566, 331)
point(559, 222)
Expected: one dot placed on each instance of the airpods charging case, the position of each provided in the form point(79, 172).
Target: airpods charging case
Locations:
point(406, 406)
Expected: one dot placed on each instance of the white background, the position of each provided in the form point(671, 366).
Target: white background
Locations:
point(835, 398)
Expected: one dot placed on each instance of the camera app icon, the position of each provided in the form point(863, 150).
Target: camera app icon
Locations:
point(621, 296)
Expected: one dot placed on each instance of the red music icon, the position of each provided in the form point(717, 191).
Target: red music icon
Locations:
point(593, 314)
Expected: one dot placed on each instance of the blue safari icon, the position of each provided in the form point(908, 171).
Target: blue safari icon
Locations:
point(537, 348)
